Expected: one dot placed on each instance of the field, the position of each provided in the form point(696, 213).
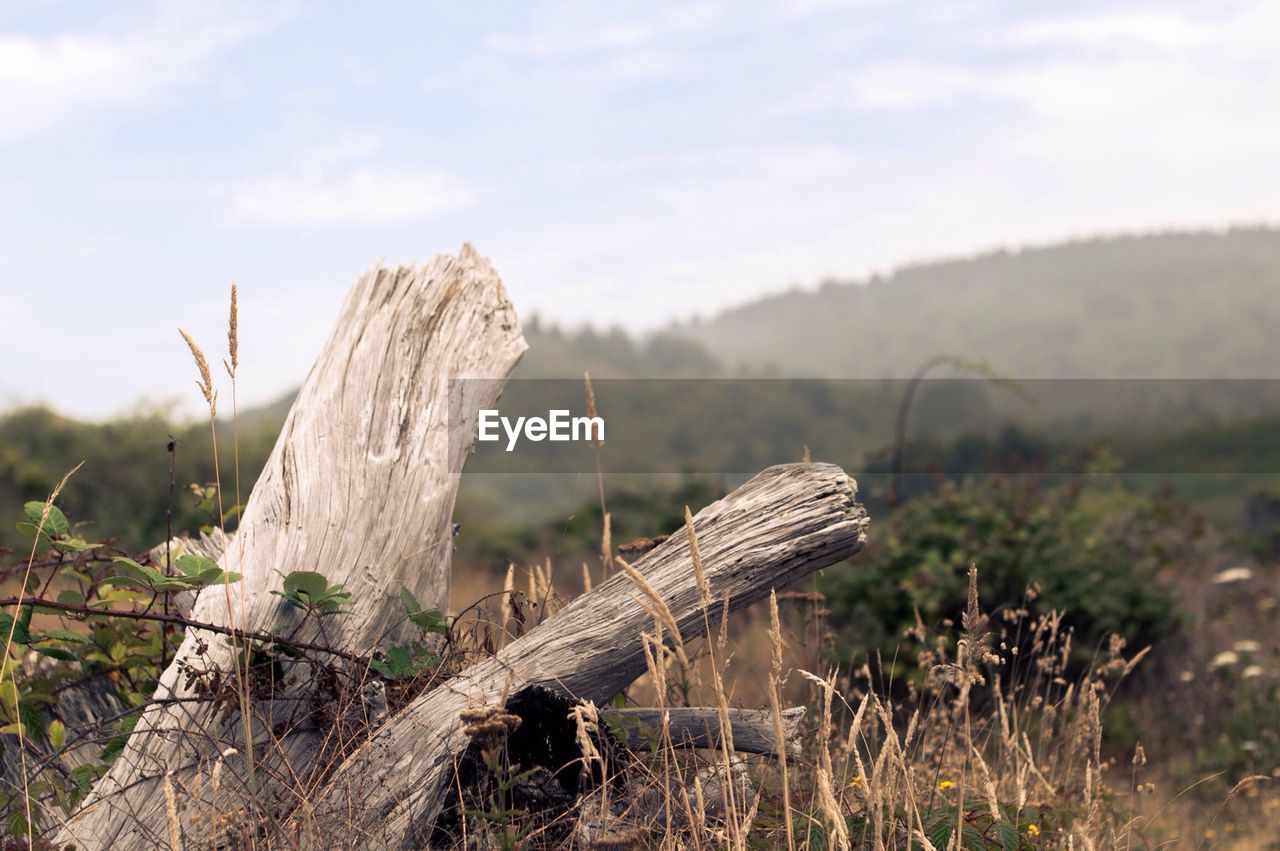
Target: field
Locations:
point(1037, 640)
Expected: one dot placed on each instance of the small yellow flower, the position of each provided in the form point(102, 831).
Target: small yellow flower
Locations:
point(945, 784)
point(855, 782)
point(1033, 830)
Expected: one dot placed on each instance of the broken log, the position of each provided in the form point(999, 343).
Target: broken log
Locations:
point(699, 727)
point(785, 523)
point(360, 488)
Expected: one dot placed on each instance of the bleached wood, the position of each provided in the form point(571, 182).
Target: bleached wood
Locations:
point(360, 487)
point(785, 523)
point(699, 727)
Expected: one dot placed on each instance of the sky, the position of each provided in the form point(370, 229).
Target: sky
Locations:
point(626, 164)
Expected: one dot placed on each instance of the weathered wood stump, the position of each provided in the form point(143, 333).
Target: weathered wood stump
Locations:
point(360, 487)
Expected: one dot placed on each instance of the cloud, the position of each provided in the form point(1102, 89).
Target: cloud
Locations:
point(576, 40)
point(802, 8)
point(1106, 29)
point(563, 43)
point(337, 185)
point(46, 80)
point(899, 85)
point(645, 65)
point(1159, 89)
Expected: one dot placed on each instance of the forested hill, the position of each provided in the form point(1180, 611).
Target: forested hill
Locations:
point(555, 353)
point(1170, 305)
point(1173, 305)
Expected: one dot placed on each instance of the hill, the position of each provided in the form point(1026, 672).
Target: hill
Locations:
point(1167, 305)
point(1170, 305)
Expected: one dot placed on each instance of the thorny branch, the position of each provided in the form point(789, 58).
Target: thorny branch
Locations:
point(178, 620)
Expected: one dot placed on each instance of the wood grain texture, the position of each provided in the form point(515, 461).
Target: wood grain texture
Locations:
point(785, 523)
point(699, 727)
point(360, 487)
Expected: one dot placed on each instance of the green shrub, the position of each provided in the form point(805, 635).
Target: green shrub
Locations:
point(1097, 554)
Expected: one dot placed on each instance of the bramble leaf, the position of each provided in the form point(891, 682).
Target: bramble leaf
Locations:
point(55, 522)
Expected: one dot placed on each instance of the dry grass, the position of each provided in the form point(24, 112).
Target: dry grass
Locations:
point(990, 746)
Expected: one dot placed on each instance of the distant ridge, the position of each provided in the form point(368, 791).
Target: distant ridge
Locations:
point(1167, 305)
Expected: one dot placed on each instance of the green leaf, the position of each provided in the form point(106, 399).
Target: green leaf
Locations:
point(1008, 836)
point(71, 597)
point(972, 838)
point(118, 595)
point(131, 581)
point(30, 530)
point(193, 565)
point(175, 584)
point(307, 582)
point(60, 653)
point(57, 733)
point(208, 577)
point(7, 624)
point(411, 604)
point(431, 621)
point(212, 575)
point(55, 522)
point(74, 545)
point(400, 662)
point(66, 635)
point(117, 743)
point(145, 576)
point(85, 775)
point(14, 729)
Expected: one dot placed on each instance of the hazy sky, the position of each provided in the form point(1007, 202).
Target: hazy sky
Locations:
point(618, 164)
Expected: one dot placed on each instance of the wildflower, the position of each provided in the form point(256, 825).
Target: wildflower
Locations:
point(1233, 574)
point(1251, 672)
point(1186, 676)
point(1033, 830)
point(1225, 659)
point(1247, 647)
point(855, 782)
point(945, 784)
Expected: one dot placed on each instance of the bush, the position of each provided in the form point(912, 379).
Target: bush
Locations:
point(1097, 554)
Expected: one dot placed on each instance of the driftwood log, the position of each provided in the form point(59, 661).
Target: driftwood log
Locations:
point(699, 727)
point(785, 523)
point(359, 487)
